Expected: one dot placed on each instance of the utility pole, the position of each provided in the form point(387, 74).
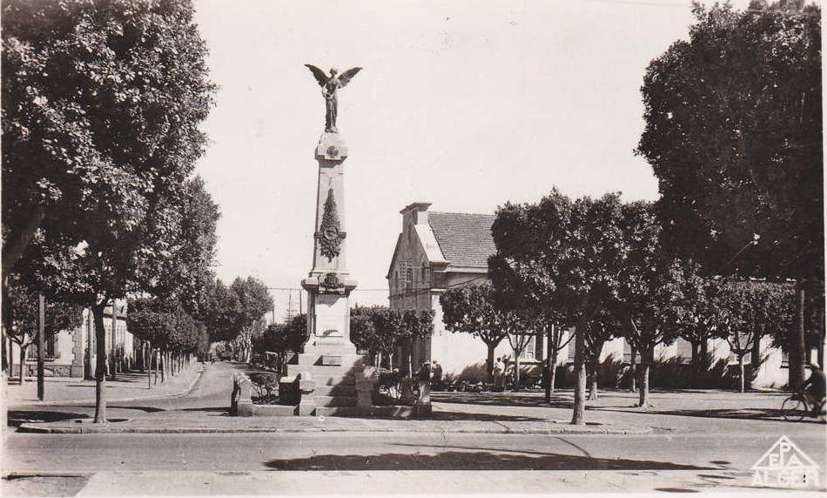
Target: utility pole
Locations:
point(301, 291)
point(41, 344)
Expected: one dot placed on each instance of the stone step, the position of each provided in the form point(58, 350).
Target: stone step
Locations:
point(328, 359)
point(273, 411)
point(332, 400)
point(324, 376)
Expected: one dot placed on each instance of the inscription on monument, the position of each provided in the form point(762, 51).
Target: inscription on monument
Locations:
point(330, 310)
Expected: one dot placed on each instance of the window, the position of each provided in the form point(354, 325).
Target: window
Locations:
point(529, 351)
point(51, 344)
point(48, 351)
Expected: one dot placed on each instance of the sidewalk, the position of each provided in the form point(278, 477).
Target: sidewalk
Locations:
point(128, 386)
point(183, 423)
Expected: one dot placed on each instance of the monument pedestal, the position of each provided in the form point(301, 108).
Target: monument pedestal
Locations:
point(328, 377)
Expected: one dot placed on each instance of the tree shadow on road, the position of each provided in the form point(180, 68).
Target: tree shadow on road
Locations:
point(481, 417)
point(17, 417)
point(499, 399)
point(469, 460)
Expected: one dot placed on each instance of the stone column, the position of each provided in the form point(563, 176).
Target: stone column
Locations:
point(324, 375)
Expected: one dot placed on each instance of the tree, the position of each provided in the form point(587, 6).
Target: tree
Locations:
point(649, 294)
point(471, 309)
point(565, 257)
point(699, 314)
point(363, 330)
point(281, 338)
point(602, 328)
point(188, 228)
point(222, 309)
point(734, 135)
point(23, 319)
point(254, 301)
point(518, 331)
point(381, 331)
point(751, 310)
point(101, 107)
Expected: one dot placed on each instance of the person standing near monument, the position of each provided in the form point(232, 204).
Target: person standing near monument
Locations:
point(499, 370)
point(437, 375)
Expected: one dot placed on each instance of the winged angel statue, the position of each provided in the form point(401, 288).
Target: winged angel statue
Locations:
point(330, 85)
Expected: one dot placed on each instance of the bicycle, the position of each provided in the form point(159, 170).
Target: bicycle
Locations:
point(797, 407)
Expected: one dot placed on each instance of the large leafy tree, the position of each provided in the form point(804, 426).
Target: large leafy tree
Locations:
point(564, 256)
point(471, 309)
point(101, 106)
point(734, 135)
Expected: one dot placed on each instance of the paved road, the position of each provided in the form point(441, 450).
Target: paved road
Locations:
point(704, 453)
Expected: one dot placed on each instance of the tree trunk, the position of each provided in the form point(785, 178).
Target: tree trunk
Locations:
point(579, 415)
point(594, 366)
point(741, 371)
point(796, 344)
point(552, 375)
point(489, 362)
point(10, 357)
point(633, 368)
point(5, 354)
point(100, 365)
point(41, 346)
point(516, 371)
point(547, 365)
point(696, 368)
point(543, 354)
point(157, 356)
point(113, 361)
point(754, 361)
point(147, 358)
point(22, 364)
point(593, 385)
point(646, 365)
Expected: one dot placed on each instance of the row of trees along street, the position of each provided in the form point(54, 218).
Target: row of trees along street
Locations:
point(733, 133)
point(101, 106)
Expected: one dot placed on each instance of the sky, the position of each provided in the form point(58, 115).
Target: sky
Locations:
point(463, 104)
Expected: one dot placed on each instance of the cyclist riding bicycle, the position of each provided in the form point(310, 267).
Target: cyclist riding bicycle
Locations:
point(814, 388)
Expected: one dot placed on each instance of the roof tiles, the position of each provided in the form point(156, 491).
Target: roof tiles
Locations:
point(465, 239)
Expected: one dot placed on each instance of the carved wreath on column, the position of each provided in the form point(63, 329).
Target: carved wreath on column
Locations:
point(329, 236)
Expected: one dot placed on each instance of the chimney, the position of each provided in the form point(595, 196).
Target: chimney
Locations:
point(415, 213)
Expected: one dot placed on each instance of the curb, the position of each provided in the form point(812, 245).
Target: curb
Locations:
point(118, 400)
point(35, 428)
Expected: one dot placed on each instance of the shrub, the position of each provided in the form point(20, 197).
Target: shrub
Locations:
point(266, 386)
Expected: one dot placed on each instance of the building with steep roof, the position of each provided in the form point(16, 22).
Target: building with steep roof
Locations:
point(434, 252)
